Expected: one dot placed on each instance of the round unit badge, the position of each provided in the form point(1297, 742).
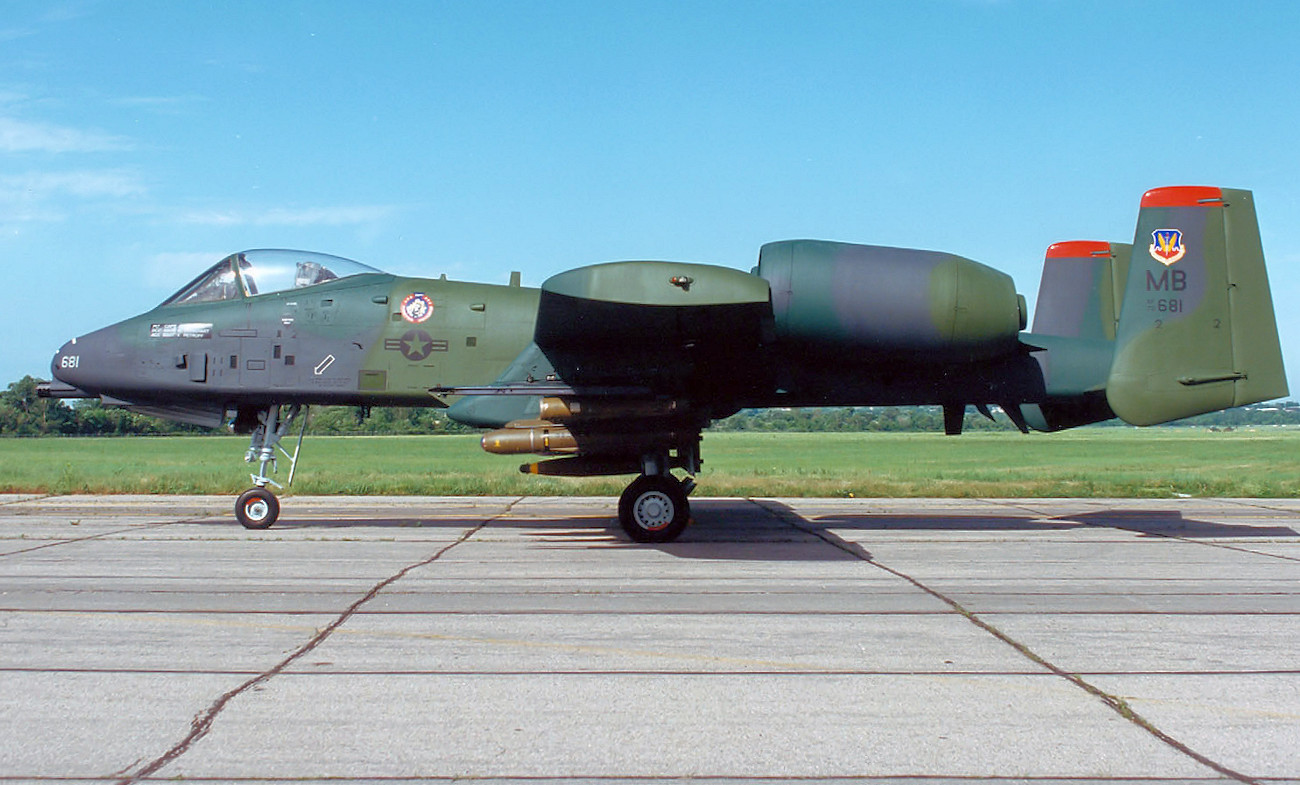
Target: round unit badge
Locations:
point(417, 308)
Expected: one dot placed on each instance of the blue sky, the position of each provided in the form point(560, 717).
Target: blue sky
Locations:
point(142, 141)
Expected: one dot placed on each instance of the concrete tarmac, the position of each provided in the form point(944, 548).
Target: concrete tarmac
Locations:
point(887, 640)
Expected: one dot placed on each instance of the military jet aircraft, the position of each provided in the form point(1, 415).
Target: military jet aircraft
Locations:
point(617, 368)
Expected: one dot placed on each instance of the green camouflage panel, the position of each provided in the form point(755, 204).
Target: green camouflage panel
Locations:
point(471, 333)
point(652, 283)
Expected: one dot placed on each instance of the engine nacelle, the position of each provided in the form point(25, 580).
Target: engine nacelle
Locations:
point(829, 296)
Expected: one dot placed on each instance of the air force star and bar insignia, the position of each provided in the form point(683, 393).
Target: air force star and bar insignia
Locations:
point(415, 345)
point(1167, 246)
point(417, 308)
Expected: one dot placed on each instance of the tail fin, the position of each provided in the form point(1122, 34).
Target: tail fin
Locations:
point(1073, 339)
point(1081, 289)
point(1196, 329)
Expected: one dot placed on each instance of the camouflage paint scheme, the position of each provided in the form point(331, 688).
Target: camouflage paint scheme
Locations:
point(618, 367)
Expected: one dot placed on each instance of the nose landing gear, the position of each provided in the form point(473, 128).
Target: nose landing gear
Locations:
point(258, 507)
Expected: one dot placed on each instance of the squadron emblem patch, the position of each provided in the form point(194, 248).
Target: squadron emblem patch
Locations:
point(1167, 246)
point(417, 308)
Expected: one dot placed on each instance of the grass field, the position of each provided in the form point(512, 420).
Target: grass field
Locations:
point(1090, 462)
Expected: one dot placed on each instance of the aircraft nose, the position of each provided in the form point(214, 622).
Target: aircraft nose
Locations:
point(67, 363)
point(83, 361)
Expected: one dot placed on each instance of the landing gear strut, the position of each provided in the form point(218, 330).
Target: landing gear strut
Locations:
point(654, 508)
point(258, 507)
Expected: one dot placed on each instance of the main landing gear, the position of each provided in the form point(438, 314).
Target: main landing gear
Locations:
point(654, 508)
point(258, 507)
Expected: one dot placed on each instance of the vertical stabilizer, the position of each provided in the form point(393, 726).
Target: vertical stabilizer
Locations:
point(1081, 289)
point(1073, 339)
point(1196, 330)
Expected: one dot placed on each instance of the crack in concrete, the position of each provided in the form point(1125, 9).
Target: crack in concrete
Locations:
point(1114, 702)
point(202, 723)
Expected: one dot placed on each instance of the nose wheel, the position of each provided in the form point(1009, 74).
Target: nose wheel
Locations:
point(654, 508)
point(257, 508)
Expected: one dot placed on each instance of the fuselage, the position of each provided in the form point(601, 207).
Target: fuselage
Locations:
point(374, 339)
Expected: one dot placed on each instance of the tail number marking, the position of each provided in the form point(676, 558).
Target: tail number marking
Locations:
point(1169, 281)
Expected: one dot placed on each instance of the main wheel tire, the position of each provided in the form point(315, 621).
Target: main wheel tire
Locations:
point(654, 509)
point(257, 508)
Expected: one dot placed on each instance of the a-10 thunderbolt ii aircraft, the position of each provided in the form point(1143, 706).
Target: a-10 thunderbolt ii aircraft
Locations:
point(617, 368)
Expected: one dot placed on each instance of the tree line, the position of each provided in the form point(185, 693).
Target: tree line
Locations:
point(22, 413)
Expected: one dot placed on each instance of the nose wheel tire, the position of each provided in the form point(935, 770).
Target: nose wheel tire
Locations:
point(654, 509)
point(257, 508)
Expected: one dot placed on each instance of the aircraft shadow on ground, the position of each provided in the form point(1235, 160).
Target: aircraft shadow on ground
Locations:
point(722, 529)
point(1155, 523)
point(741, 530)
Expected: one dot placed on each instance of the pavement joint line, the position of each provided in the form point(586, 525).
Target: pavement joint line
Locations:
point(1114, 702)
point(965, 674)
point(662, 780)
point(101, 535)
point(254, 612)
point(1163, 535)
point(28, 499)
point(202, 723)
point(1258, 504)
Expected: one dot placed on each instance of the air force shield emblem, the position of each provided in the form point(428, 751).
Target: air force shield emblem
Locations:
point(1167, 246)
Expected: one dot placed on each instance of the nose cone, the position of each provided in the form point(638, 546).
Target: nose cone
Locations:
point(88, 362)
point(65, 362)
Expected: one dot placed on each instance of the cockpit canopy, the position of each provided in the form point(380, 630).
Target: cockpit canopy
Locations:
point(251, 273)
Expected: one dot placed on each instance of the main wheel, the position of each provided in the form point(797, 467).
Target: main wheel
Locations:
point(257, 508)
point(654, 509)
